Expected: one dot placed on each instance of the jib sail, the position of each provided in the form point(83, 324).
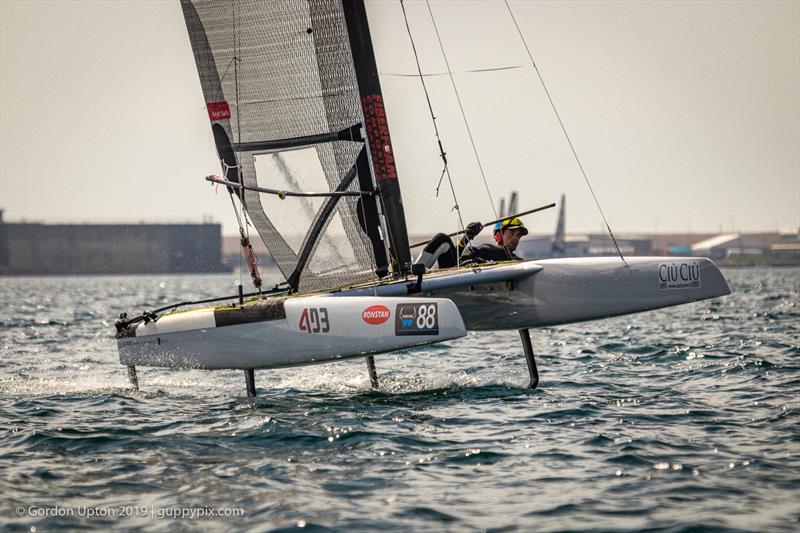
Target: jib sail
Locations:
point(288, 108)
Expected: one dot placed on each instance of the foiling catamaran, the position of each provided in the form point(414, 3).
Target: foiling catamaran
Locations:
point(295, 104)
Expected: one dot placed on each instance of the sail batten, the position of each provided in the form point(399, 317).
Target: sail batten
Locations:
point(283, 98)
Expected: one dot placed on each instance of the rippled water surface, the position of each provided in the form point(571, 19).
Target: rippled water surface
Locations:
point(680, 418)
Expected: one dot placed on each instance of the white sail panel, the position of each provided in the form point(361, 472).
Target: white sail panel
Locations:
point(302, 170)
point(273, 71)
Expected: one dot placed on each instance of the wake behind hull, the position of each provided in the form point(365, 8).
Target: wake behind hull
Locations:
point(548, 292)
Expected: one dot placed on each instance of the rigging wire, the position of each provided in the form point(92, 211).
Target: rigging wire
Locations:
point(564, 129)
point(227, 68)
point(442, 153)
point(461, 107)
point(246, 252)
point(436, 74)
point(242, 230)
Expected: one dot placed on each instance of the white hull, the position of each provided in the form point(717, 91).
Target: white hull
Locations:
point(547, 292)
point(332, 329)
point(516, 295)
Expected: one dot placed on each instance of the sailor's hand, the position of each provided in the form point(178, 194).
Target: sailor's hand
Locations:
point(473, 228)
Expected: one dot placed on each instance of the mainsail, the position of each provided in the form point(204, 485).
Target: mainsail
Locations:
point(292, 91)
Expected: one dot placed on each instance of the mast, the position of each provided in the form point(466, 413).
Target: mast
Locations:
point(379, 143)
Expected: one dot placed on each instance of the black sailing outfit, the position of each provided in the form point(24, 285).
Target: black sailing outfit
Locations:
point(441, 250)
point(488, 252)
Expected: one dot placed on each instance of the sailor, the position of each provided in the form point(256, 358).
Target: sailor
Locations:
point(507, 234)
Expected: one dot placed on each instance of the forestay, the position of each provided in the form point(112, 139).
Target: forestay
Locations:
point(283, 99)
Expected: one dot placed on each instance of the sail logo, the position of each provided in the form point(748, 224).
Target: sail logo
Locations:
point(379, 140)
point(218, 110)
point(376, 314)
point(683, 275)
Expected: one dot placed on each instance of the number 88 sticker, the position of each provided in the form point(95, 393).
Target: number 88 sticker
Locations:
point(417, 319)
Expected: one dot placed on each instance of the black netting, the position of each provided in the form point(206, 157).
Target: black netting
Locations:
point(285, 70)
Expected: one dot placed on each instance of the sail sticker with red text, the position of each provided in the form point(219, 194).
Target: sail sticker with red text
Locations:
point(218, 110)
point(376, 314)
point(679, 275)
point(380, 144)
point(417, 319)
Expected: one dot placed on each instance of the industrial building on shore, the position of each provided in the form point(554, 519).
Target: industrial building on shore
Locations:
point(51, 249)
point(728, 249)
point(36, 249)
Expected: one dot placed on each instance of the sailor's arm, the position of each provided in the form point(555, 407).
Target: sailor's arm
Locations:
point(470, 232)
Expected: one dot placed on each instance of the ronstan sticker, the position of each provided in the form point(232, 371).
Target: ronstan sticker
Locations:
point(376, 314)
point(417, 319)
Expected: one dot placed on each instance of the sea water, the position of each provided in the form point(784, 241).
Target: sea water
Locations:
point(677, 419)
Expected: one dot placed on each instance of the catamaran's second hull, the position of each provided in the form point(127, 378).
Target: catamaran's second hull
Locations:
point(547, 292)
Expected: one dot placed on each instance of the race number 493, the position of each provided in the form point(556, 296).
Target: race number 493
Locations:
point(315, 320)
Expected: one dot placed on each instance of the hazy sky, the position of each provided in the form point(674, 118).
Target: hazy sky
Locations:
point(686, 115)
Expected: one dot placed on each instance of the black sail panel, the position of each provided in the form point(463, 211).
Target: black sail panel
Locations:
point(279, 82)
